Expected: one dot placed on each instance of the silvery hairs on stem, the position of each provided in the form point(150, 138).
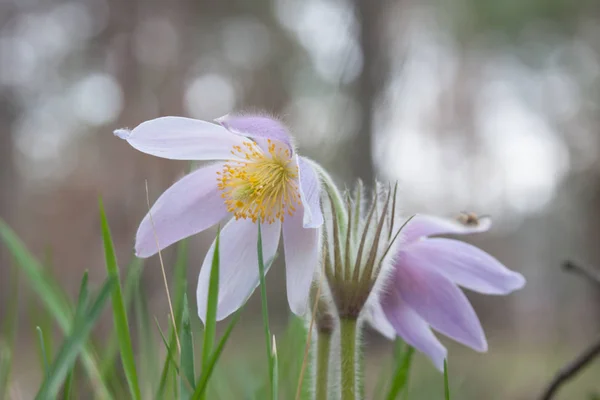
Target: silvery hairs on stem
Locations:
point(358, 244)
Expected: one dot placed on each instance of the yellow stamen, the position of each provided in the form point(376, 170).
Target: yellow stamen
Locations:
point(263, 187)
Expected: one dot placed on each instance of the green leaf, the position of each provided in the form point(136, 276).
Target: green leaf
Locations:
point(67, 389)
point(119, 312)
point(206, 374)
point(53, 298)
point(275, 381)
point(148, 356)
point(74, 343)
point(211, 305)
point(168, 347)
point(446, 385)
point(400, 378)
point(265, 311)
point(187, 375)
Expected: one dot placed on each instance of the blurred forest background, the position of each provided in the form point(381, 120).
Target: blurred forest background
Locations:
point(481, 105)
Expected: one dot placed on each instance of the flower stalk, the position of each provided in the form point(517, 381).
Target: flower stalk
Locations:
point(323, 351)
point(348, 347)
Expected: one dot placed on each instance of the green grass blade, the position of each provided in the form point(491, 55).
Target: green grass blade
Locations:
point(275, 382)
point(265, 310)
point(53, 299)
point(446, 385)
point(206, 374)
point(5, 369)
point(400, 378)
point(119, 312)
point(43, 353)
point(148, 356)
point(211, 306)
point(168, 347)
point(74, 344)
point(68, 387)
point(133, 273)
point(186, 363)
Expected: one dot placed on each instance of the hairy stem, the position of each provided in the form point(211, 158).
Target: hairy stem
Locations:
point(348, 341)
point(323, 351)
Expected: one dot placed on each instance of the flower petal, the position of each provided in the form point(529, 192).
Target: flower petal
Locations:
point(301, 247)
point(238, 272)
point(427, 225)
point(180, 138)
point(439, 302)
point(412, 328)
point(379, 321)
point(257, 127)
point(190, 206)
point(465, 265)
point(310, 193)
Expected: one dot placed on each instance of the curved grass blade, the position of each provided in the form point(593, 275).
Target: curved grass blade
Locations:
point(74, 344)
point(52, 298)
point(446, 385)
point(400, 378)
point(211, 305)
point(119, 312)
point(186, 363)
point(206, 374)
point(265, 310)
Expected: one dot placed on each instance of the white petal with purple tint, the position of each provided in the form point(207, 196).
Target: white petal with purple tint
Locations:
point(180, 138)
point(427, 225)
point(301, 246)
point(465, 265)
point(412, 328)
point(378, 320)
point(438, 301)
point(257, 127)
point(310, 190)
point(191, 205)
point(239, 274)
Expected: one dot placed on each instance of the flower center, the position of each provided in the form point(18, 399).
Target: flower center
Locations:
point(264, 186)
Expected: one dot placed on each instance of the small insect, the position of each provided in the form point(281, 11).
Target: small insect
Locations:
point(469, 218)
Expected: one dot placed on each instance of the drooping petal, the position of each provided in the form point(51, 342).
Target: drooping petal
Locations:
point(427, 225)
point(257, 127)
point(412, 328)
point(180, 138)
point(465, 265)
point(238, 273)
point(191, 205)
point(301, 246)
point(310, 192)
point(379, 321)
point(438, 301)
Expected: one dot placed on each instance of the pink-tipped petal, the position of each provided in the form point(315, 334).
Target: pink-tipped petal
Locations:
point(257, 127)
point(180, 138)
point(191, 205)
point(310, 194)
point(239, 274)
point(412, 328)
point(379, 321)
point(465, 265)
point(427, 225)
point(438, 301)
point(301, 248)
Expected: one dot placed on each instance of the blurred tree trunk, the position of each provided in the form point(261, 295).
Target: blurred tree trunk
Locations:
point(369, 15)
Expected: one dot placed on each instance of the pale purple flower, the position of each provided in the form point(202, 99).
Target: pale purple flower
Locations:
point(256, 177)
point(421, 292)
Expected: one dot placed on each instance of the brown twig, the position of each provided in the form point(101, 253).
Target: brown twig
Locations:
point(591, 273)
point(570, 370)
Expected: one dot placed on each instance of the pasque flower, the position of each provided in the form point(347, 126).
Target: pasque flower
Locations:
point(256, 177)
point(422, 291)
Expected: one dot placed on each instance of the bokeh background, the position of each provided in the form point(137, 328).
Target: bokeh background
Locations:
point(481, 105)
